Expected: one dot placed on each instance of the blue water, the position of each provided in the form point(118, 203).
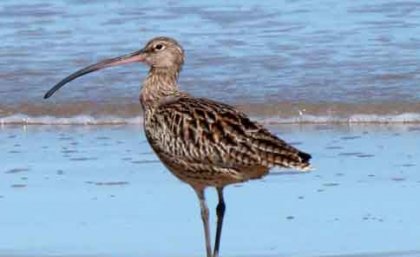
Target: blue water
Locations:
point(272, 57)
point(100, 191)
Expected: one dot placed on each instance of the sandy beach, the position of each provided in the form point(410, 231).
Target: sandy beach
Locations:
point(73, 185)
point(100, 191)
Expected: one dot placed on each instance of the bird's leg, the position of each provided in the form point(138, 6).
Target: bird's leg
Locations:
point(205, 218)
point(220, 210)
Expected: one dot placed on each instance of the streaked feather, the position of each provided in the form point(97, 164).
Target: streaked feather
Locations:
point(213, 139)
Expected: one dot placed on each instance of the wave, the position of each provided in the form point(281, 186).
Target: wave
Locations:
point(23, 119)
point(126, 112)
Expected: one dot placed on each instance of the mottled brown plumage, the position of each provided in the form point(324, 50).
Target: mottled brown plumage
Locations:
point(206, 143)
point(202, 142)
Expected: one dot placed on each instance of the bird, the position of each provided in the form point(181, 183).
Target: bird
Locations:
point(204, 143)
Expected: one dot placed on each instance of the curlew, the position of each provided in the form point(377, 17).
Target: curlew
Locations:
point(202, 142)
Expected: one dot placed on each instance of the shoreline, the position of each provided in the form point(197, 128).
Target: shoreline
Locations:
point(355, 119)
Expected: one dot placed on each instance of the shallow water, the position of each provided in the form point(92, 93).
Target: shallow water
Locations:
point(288, 60)
point(100, 191)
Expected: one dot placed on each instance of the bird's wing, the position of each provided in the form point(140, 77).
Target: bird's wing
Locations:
point(204, 131)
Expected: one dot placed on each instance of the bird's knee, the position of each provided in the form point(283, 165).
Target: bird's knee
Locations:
point(220, 209)
point(204, 213)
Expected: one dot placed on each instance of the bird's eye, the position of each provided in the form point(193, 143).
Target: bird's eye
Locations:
point(159, 47)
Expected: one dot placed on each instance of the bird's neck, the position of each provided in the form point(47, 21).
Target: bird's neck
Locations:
point(160, 83)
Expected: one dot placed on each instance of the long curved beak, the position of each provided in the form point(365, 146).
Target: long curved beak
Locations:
point(138, 56)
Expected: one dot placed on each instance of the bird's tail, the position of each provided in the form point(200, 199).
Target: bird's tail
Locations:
point(297, 160)
point(304, 164)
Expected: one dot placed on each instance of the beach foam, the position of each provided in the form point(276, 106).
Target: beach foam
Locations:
point(23, 119)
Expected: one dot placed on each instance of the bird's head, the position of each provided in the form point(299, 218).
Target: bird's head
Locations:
point(163, 52)
point(160, 52)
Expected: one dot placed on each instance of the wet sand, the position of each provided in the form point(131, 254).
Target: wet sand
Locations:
point(100, 191)
point(386, 254)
